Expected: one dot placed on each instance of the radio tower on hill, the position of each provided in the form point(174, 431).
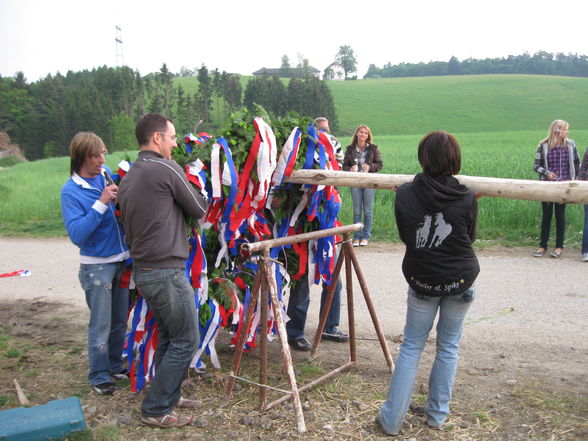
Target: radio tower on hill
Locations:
point(120, 60)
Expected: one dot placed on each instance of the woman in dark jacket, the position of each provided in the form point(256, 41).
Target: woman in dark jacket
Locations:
point(436, 219)
point(362, 156)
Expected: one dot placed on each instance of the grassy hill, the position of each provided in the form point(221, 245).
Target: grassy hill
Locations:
point(480, 103)
point(461, 104)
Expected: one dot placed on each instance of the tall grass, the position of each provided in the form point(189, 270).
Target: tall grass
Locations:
point(29, 196)
point(29, 192)
point(507, 155)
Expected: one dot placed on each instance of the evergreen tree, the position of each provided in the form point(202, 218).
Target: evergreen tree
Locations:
point(122, 133)
point(203, 97)
point(232, 92)
point(17, 111)
point(164, 80)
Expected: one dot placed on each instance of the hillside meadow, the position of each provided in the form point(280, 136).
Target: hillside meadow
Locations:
point(459, 104)
point(29, 192)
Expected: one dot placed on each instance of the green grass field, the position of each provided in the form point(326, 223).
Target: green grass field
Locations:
point(29, 192)
point(498, 121)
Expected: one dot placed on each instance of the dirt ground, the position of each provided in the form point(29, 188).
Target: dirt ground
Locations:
point(523, 372)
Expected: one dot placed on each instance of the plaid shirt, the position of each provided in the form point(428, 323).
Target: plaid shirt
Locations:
point(557, 158)
point(544, 166)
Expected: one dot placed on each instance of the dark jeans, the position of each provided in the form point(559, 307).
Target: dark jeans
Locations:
point(585, 233)
point(171, 298)
point(298, 308)
point(109, 304)
point(560, 223)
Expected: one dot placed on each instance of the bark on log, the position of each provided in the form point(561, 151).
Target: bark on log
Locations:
point(568, 192)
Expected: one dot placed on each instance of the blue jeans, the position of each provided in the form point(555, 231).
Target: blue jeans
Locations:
point(109, 305)
point(585, 233)
point(298, 308)
point(420, 315)
point(363, 201)
point(171, 298)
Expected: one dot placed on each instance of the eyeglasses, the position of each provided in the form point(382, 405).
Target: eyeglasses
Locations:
point(174, 138)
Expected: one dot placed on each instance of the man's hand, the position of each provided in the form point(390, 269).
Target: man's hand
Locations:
point(108, 194)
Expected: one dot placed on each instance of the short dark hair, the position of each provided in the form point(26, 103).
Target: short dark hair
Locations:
point(148, 125)
point(439, 154)
point(82, 146)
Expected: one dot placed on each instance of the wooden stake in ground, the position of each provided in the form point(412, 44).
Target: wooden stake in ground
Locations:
point(566, 192)
point(22, 398)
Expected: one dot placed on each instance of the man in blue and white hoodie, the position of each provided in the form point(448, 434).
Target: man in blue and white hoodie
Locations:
point(88, 209)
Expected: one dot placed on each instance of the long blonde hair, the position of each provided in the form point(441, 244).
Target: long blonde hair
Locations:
point(553, 135)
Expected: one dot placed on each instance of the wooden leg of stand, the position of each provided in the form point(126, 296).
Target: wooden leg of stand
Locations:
point(371, 309)
point(301, 425)
point(264, 299)
point(327, 305)
point(345, 250)
point(242, 337)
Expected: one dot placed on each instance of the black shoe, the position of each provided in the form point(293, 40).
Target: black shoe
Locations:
point(104, 388)
point(335, 335)
point(122, 375)
point(300, 344)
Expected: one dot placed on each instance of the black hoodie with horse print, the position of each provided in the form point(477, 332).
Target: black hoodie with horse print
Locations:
point(436, 219)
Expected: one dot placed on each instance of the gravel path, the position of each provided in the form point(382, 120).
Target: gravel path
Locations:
point(529, 319)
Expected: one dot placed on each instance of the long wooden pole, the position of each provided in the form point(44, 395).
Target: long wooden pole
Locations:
point(248, 248)
point(568, 192)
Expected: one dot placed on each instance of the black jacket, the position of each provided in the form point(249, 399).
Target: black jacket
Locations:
point(436, 219)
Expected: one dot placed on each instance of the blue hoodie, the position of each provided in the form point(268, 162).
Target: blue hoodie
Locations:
point(90, 224)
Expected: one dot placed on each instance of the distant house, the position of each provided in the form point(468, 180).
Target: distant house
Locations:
point(333, 71)
point(293, 72)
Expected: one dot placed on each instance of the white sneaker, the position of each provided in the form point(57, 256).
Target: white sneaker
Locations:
point(585, 257)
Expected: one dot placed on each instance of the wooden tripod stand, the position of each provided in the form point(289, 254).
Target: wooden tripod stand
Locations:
point(266, 282)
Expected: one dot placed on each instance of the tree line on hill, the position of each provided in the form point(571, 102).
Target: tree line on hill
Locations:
point(42, 117)
point(540, 63)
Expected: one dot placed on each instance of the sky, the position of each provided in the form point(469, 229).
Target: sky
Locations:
point(41, 37)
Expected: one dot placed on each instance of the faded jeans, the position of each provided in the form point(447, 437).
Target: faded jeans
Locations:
point(109, 305)
point(171, 298)
point(420, 315)
point(363, 202)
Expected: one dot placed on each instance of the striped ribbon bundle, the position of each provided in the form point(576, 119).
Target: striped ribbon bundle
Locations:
point(240, 201)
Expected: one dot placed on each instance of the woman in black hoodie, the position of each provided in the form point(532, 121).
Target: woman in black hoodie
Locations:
point(436, 219)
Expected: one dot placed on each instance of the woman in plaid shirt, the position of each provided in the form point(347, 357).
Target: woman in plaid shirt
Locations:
point(556, 160)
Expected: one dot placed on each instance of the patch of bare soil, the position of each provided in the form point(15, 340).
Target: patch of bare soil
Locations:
point(500, 394)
